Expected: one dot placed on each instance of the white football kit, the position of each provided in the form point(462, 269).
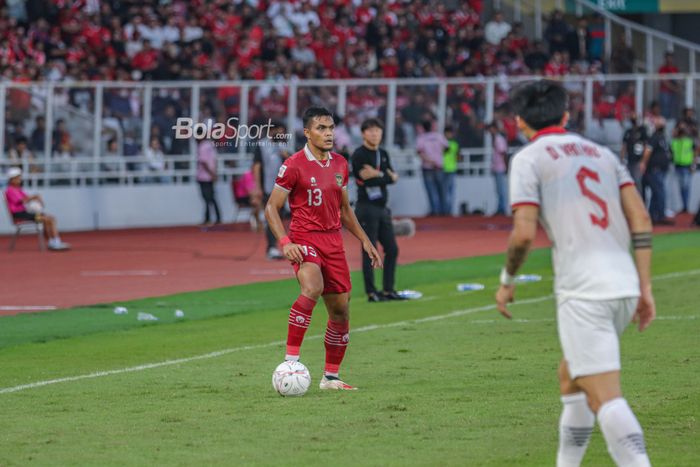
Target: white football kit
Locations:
point(576, 184)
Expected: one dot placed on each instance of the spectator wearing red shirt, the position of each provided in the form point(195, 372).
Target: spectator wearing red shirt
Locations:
point(604, 108)
point(518, 41)
point(365, 12)
point(668, 88)
point(556, 66)
point(146, 59)
point(625, 105)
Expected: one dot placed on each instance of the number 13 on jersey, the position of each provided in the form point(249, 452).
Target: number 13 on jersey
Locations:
point(315, 196)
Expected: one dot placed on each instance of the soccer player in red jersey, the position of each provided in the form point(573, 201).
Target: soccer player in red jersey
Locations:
point(315, 181)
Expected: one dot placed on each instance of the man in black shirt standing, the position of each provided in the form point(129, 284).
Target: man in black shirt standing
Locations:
point(373, 172)
point(634, 143)
point(654, 165)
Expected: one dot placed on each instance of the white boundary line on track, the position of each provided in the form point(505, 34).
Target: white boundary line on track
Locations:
point(27, 308)
point(130, 272)
point(219, 353)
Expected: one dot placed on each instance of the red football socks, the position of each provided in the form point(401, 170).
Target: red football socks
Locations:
point(336, 341)
point(299, 320)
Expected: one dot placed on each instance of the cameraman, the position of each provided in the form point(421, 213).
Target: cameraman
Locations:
point(373, 172)
point(634, 144)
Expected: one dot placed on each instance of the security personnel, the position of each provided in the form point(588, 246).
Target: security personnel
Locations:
point(373, 172)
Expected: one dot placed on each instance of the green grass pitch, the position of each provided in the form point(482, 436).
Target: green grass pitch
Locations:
point(443, 380)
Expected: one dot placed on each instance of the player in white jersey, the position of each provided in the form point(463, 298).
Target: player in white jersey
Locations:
point(588, 204)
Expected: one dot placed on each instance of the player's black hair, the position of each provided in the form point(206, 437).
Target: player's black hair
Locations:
point(371, 123)
point(540, 104)
point(313, 112)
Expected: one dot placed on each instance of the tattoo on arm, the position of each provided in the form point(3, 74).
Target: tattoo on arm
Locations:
point(516, 257)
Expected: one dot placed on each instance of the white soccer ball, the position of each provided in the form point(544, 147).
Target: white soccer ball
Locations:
point(291, 379)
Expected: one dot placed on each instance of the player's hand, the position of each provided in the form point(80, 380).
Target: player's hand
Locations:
point(504, 296)
point(646, 309)
point(293, 253)
point(373, 254)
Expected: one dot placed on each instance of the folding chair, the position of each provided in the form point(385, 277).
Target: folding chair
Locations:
point(22, 226)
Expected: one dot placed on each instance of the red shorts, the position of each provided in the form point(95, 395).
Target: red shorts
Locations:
point(325, 249)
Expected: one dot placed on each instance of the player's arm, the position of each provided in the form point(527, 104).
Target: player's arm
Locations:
point(521, 237)
point(640, 228)
point(349, 220)
point(278, 197)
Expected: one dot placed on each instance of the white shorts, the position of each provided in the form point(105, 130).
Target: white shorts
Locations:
point(589, 332)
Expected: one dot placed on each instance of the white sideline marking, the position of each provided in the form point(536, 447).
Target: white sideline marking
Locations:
point(549, 320)
point(219, 353)
point(27, 307)
point(122, 273)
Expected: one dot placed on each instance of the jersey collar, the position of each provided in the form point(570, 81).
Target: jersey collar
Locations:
point(310, 157)
point(550, 130)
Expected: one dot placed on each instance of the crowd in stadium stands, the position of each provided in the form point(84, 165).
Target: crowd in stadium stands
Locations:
point(275, 41)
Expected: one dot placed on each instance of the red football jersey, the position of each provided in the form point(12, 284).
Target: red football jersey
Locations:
point(315, 190)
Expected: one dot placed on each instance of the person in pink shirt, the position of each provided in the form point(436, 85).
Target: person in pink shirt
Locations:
point(20, 204)
point(206, 177)
point(430, 146)
point(499, 165)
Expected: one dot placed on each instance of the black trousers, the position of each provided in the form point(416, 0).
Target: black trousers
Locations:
point(376, 221)
point(207, 189)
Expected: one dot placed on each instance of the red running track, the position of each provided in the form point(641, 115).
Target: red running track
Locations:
point(109, 266)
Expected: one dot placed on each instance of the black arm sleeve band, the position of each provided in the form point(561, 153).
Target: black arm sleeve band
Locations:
point(641, 240)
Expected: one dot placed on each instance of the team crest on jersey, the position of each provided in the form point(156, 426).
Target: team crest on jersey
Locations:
point(281, 171)
point(339, 179)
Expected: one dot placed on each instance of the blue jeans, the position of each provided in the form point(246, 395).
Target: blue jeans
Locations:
point(432, 178)
point(501, 180)
point(448, 192)
point(683, 174)
point(654, 179)
point(667, 102)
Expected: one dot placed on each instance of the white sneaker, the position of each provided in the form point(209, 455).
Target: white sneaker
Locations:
point(335, 384)
point(58, 246)
point(274, 253)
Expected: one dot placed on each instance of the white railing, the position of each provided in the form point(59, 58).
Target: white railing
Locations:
point(463, 103)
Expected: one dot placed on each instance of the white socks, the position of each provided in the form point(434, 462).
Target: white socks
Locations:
point(623, 434)
point(620, 427)
point(575, 427)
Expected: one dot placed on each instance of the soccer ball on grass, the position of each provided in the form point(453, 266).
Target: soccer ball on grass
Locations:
point(291, 379)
